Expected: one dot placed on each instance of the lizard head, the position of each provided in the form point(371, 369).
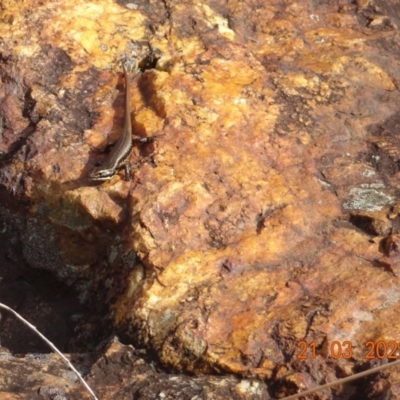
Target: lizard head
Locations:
point(102, 174)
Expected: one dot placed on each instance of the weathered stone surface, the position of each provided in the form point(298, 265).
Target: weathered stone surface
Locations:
point(122, 372)
point(266, 214)
point(33, 377)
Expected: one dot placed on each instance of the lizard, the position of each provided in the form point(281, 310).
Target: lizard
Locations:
point(118, 157)
point(119, 154)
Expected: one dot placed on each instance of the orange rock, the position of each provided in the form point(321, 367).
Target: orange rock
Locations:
point(253, 215)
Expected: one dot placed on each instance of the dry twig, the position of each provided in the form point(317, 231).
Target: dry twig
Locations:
point(52, 346)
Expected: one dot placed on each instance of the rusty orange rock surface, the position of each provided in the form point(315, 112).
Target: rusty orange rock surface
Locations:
point(265, 214)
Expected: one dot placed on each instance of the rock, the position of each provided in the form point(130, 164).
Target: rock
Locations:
point(254, 226)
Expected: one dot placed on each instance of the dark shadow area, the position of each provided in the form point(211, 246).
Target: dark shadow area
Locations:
point(51, 306)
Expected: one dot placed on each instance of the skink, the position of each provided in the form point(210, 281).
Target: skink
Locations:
point(118, 157)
